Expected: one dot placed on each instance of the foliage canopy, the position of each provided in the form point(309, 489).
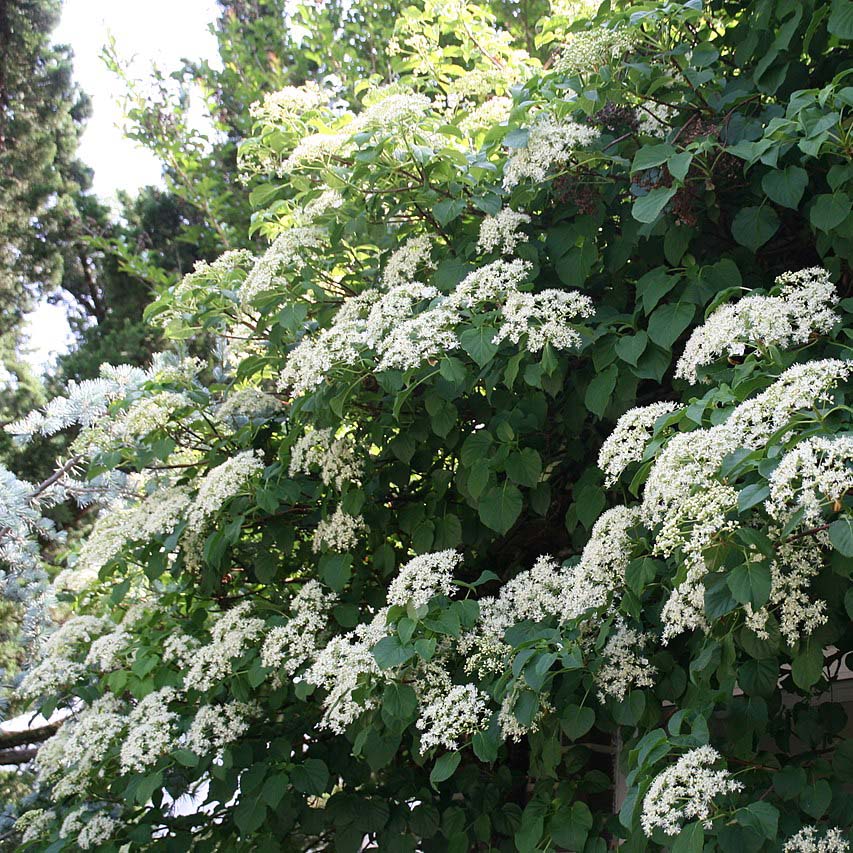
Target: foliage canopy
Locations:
point(523, 450)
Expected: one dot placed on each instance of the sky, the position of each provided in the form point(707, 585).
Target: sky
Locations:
point(160, 31)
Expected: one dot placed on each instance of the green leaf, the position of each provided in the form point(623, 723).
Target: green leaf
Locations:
point(186, 757)
point(789, 782)
point(815, 799)
point(389, 651)
point(750, 583)
point(761, 817)
point(842, 761)
point(679, 165)
point(751, 496)
point(444, 768)
point(830, 210)
point(630, 347)
point(399, 701)
point(648, 208)
point(576, 721)
point(452, 369)
point(569, 827)
point(841, 536)
point(478, 478)
point(524, 467)
point(475, 447)
point(312, 777)
point(250, 814)
point(601, 388)
point(448, 209)
point(807, 666)
point(500, 507)
point(335, 570)
point(668, 322)
point(785, 186)
point(718, 597)
point(691, 839)
point(485, 745)
point(654, 285)
point(754, 226)
point(841, 19)
point(650, 156)
point(477, 342)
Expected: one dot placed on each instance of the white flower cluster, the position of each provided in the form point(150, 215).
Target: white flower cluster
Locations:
point(685, 792)
point(99, 829)
point(624, 666)
point(339, 532)
point(35, 824)
point(151, 731)
point(812, 477)
point(424, 577)
point(387, 322)
point(545, 318)
point(334, 456)
point(247, 404)
point(289, 102)
point(391, 110)
point(629, 439)
point(221, 483)
point(286, 251)
point(549, 591)
point(73, 633)
point(549, 147)
point(403, 263)
point(802, 308)
point(655, 119)
point(450, 716)
point(50, 677)
point(75, 755)
point(342, 667)
point(215, 726)
point(502, 231)
point(485, 116)
point(230, 636)
point(314, 149)
point(290, 646)
point(157, 515)
point(810, 839)
point(586, 51)
point(689, 505)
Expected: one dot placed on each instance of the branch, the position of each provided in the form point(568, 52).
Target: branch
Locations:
point(9, 740)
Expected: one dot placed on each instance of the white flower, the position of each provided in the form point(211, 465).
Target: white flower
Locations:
point(684, 497)
point(289, 102)
point(450, 716)
point(801, 309)
point(403, 264)
point(35, 824)
point(49, 677)
point(424, 577)
point(335, 457)
point(623, 665)
point(290, 646)
point(344, 665)
point(151, 731)
point(340, 532)
point(315, 148)
point(586, 51)
point(545, 318)
point(487, 115)
point(550, 146)
point(98, 830)
point(215, 726)
point(810, 840)
point(230, 636)
point(627, 443)
point(286, 251)
point(502, 231)
point(390, 110)
point(221, 483)
point(654, 118)
point(812, 477)
point(685, 791)
point(73, 757)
